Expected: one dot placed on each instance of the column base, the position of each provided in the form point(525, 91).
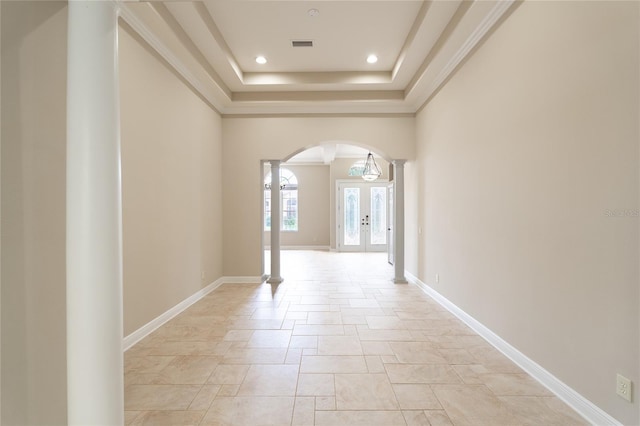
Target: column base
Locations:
point(275, 280)
point(402, 280)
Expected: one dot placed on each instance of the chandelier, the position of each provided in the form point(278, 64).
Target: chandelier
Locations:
point(371, 170)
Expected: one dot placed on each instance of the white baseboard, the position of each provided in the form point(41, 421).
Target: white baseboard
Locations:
point(592, 413)
point(323, 248)
point(156, 323)
point(243, 280)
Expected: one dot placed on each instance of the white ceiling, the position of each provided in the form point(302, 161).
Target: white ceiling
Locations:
point(213, 45)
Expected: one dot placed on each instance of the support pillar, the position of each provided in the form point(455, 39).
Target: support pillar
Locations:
point(398, 225)
point(275, 277)
point(94, 217)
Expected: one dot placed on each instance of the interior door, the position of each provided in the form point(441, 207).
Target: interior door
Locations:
point(362, 209)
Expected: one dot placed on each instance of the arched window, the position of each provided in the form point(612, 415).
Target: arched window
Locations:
point(289, 197)
point(357, 168)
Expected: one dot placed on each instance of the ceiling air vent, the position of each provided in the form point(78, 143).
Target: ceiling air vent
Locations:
point(302, 43)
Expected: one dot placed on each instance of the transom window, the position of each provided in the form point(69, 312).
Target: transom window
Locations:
point(357, 168)
point(289, 197)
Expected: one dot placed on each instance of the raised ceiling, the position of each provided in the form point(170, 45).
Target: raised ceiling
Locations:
point(213, 44)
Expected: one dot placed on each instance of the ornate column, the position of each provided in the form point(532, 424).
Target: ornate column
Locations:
point(94, 217)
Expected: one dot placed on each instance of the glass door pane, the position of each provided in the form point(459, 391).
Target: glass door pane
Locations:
point(378, 223)
point(351, 204)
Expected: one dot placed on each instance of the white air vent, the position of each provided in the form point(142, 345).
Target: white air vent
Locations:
point(301, 43)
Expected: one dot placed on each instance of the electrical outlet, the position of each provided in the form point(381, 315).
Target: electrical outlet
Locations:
point(437, 278)
point(202, 275)
point(623, 387)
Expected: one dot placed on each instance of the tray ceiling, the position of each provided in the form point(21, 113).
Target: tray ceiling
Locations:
point(214, 44)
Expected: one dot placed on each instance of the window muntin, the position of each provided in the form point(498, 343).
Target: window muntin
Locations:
point(289, 199)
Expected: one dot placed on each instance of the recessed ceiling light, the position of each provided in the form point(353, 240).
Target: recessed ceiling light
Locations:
point(372, 59)
point(313, 12)
point(261, 60)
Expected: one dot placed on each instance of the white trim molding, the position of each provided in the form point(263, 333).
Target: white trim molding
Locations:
point(159, 321)
point(592, 413)
point(321, 248)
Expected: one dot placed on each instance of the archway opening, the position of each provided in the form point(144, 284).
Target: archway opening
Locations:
point(321, 172)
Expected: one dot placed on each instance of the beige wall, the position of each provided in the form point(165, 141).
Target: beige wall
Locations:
point(521, 159)
point(313, 207)
point(249, 140)
point(171, 172)
point(33, 213)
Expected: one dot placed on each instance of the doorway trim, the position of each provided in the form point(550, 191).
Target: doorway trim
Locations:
point(338, 200)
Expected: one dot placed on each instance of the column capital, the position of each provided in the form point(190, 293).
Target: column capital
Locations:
point(274, 163)
point(398, 163)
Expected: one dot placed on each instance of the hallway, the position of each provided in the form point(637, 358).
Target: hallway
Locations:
point(337, 343)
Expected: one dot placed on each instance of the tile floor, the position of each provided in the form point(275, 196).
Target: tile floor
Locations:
point(337, 343)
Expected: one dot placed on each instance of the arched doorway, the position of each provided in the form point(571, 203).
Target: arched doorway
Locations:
point(336, 160)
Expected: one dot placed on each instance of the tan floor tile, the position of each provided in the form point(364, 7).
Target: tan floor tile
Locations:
point(389, 345)
point(303, 342)
point(304, 412)
point(374, 364)
point(269, 339)
point(474, 405)
point(186, 348)
point(376, 348)
point(339, 345)
point(169, 418)
point(189, 370)
point(471, 374)
point(438, 418)
point(493, 360)
point(269, 313)
point(364, 392)
point(514, 384)
point(130, 416)
point(294, 356)
point(159, 397)
point(384, 323)
point(384, 335)
point(228, 390)
point(324, 318)
point(333, 364)
point(363, 303)
point(146, 364)
point(416, 397)
point(318, 330)
point(316, 385)
point(228, 374)
point(250, 411)
point(421, 373)
point(255, 356)
point(270, 380)
point(325, 403)
point(359, 418)
point(203, 399)
point(533, 411)
point(417, 353)
point(415, 418)
point(255, 324)
point(238, 335)
point(457, 356)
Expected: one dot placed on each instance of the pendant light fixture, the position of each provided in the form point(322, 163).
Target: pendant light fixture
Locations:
point(371, 170)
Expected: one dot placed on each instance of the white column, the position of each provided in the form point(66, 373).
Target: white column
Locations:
point(398, 217)
point(275, 277)
point(94, 217)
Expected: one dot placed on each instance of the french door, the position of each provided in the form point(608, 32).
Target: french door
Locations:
point(362, 216)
